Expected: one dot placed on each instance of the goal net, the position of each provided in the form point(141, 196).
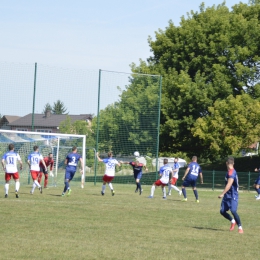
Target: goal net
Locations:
point(57, 144)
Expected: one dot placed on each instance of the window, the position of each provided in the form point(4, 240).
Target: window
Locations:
point(44, 130)
point(21, 129)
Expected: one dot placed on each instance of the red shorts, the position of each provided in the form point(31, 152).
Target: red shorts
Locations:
point(108, 178)
point(159, 183)
point(35, 175)
point(8, 176)
point(173, 181)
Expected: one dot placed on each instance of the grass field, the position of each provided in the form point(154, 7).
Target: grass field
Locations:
point(87, 225)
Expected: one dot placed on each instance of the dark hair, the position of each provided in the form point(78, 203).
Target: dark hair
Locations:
point(165, 161)
point(35, 147)
point(74, 148)
point(194, 158)
point(109, 154)
point(50, 154)
point(11, 147)
point(230, 160)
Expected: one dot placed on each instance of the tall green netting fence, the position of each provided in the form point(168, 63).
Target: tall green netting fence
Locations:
point(118, 112)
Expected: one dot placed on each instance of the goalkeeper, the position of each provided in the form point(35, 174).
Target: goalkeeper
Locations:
point(49, 162)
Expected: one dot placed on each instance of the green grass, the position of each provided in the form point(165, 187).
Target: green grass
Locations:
point(87, 225)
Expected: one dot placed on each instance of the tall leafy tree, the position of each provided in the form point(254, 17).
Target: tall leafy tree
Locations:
point(59, 108)
point(213, 54)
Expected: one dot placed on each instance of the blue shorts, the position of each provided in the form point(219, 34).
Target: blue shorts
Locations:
point(257, 181)
point(138, 175)
point(230, 204)
point(188, 182)
point(69, 174)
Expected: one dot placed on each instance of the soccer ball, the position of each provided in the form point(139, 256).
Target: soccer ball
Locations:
point(136, 154)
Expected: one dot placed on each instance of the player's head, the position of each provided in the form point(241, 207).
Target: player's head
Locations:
point(230, 161)
point(165, 161)
point(176, 159)
point(194, 158)
point(109, 154)
point(50, 155)
point(11, 147)
point(35, 148)
point(74, 149)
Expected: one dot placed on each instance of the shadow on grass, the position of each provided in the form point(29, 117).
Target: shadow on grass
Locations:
point(214, 229)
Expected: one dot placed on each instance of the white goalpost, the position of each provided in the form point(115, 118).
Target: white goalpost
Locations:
point(57, 144)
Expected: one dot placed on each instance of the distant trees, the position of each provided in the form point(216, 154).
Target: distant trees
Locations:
point(58, 108)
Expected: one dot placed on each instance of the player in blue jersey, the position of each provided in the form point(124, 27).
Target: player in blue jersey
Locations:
point(138, 172)
point(71, 163)
point(230, 196)
point(257, 185)
point(165, 174)
point(190, 178)
point(9, 163)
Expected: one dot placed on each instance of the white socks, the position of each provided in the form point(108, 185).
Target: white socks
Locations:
point(6, 188)
point(110, 186)
point(164, 192)
point(17, 186)
point(103, 188)
point(175, 188)
point(152, 190)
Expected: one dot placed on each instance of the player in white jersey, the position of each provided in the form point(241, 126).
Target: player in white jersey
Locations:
point(9, 163)
point(34, 160)
point(109, 173)
point(175, 176)
point(165, 174)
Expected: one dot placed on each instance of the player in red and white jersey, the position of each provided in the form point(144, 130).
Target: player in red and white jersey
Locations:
point(48, 162)
point(165, 174)
point(9, 163)
point(175, 176)
point(109, 173)
point(34, 160)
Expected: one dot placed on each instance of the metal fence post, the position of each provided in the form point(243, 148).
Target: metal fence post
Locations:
point(248, 188)
point(213, 180)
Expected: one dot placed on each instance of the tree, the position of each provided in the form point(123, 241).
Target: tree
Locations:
point(231, 124)
point(213, 54)
point(58, 108)
point(46, 108)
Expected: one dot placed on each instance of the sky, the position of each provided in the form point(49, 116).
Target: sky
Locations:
point(83, 34)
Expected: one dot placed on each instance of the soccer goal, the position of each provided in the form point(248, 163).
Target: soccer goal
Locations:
point(57, 144)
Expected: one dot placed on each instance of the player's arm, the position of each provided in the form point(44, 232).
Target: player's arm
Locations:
point(3, 164)
point(227, 188)
point(44, 164)
point(170, 176)
point(100, 160)
point(124, 162)
point(51, 168)
point(21, 164)
point(118, 163)
point(201, 178)
point(146, 169)
point(81, 165)
point(185, 174)
point(29, 162)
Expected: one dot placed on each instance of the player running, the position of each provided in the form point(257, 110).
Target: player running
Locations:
point(230, 197)
point(175, 176)
point(9, 163)
point(257, 185)
point(33, 161)
point(190, 178)
point(71, 163)
point(48, 162)
point(138, 172)
point(165, 174)
point(109, 173)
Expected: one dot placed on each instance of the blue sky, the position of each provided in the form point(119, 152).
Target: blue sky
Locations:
point(76, 35)
point(85, 34)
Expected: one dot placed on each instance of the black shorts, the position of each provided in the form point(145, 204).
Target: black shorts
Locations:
point(42, 169)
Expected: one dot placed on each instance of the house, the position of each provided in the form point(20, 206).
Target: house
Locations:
point(6, 120)
point(48, 123)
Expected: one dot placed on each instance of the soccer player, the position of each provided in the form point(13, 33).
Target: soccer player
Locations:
point(109, 175)
point(257, 185)
point(71, 163)
point(33, 161)
point(9, 163)
point(138, 171)
point(230, 196)
point(190, 178)
point(165, 174)
point(175, 176)
point(48, 162)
